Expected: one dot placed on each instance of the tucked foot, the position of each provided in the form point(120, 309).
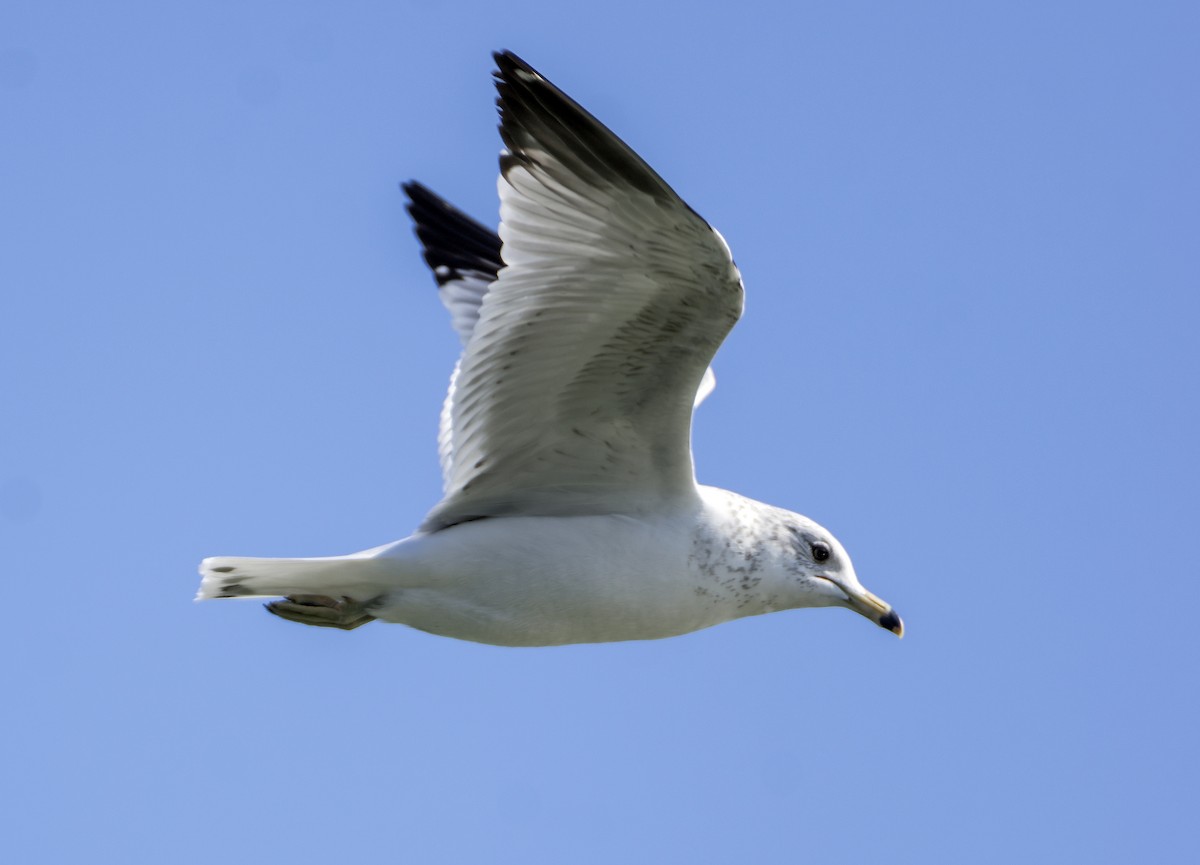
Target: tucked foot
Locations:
point(321, 611)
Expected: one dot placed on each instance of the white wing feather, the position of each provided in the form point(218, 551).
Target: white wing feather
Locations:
point(575, 392)
point(465, 258)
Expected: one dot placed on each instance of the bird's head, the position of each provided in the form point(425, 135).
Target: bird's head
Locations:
point(827, 576)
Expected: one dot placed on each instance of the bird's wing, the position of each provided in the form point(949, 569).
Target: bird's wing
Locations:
point(574, 394)
point(465, 258)
point(463, 255)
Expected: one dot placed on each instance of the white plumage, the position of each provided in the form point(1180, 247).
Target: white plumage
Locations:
point(571, 512)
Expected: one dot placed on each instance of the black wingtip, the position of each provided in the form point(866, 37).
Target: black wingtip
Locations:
point(536, 116)
point(507, 61)
point(419, 194)
point(452, 242)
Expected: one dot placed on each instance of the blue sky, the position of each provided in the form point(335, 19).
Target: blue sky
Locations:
point(969, 238)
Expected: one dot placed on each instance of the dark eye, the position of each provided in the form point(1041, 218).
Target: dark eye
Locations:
point(820, 551)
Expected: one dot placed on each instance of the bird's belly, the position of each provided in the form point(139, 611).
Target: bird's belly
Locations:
point(538, 581)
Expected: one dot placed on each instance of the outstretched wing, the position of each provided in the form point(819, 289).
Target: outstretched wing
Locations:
point(574, 394)
point(463, 255)
point(465, 258)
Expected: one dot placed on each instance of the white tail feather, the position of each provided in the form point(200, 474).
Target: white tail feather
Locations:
point(242, 577)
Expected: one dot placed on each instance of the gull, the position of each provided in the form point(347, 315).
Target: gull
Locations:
point(571, 511)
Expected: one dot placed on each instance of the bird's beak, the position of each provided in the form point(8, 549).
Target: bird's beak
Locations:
point(872, 606)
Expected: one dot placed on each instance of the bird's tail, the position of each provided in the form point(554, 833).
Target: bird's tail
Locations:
point(241, 577)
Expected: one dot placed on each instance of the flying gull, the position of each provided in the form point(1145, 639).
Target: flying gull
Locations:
point(571, 512)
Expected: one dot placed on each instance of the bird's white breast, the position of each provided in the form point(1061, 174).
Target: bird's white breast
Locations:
point(553, 580)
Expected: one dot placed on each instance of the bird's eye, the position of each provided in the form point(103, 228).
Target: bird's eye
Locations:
point(820, 551)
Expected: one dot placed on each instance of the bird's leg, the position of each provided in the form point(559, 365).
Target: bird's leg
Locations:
point(321, 611)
